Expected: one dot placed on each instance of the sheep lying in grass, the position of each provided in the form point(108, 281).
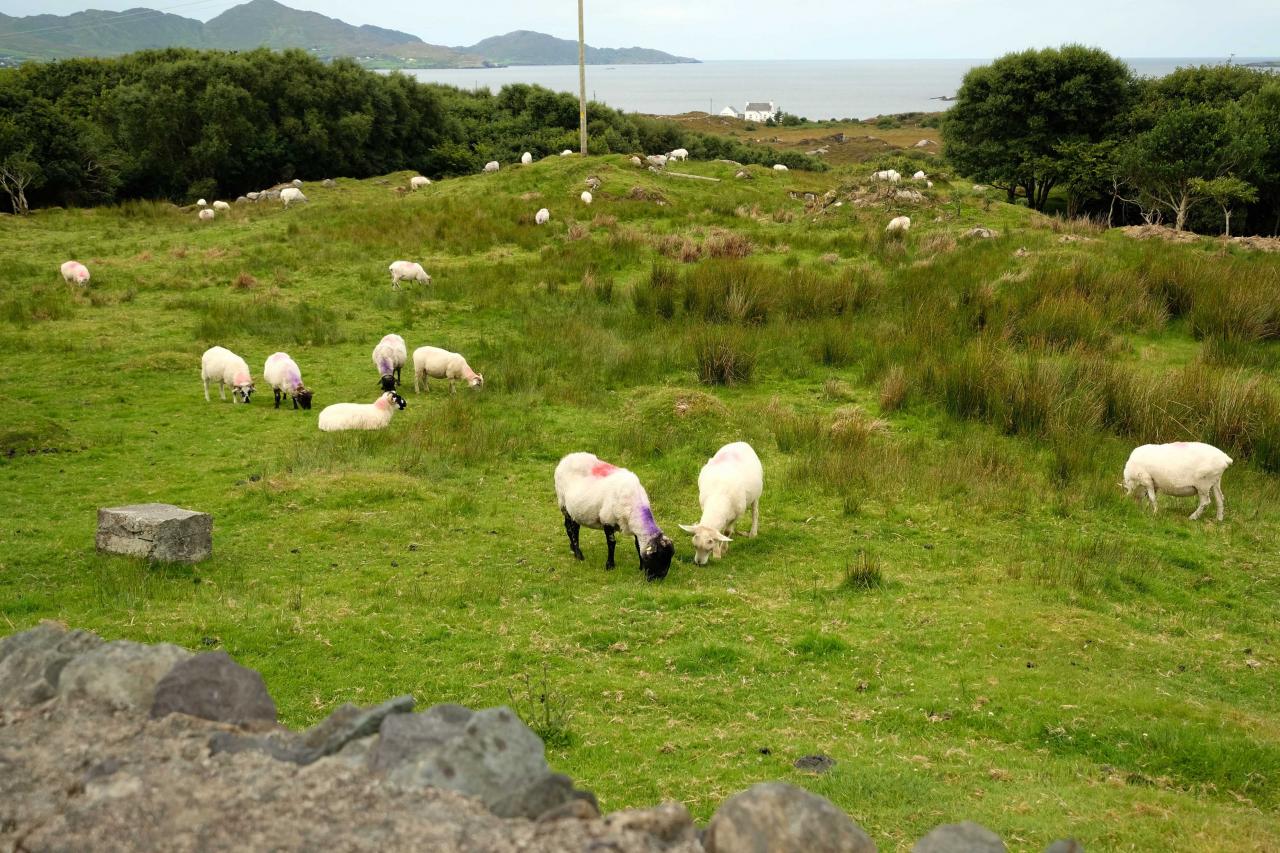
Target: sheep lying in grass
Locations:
point(526, 158)
point(604, 497)
point(289, 195)
point(282, 374)
point(568, 152)
point(221, 365)
point(587, 197)
point(1183, 468)
point(221, 205)
point(74, 272)
point(418, 182)
point(206, 215)
point(436, 363)
point(375, 415)
point(779, 167)
point(731, 481)
point(899, 223)
point(542, 217)
point(389, 356)
point(492, 166)
point(401, 270)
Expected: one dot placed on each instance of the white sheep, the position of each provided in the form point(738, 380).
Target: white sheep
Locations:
point(605, 497)
point(731, 481)
point(407, 270)
point(587, 197)
point(679, 154)
point(890, 175)
point(919, 176)
point(635, 161)
point(436, 363)
point(74, 272)
point(492, 166)
point(658, 160)
point(779, 167)
point(1183, 468)
point(221, 205)
point(282, 374)
point(288, 195)
point(375, 415)
point(206, 215)
point(417, 182)
point(201, 203)
point(389, 356)
point(542, 217)
point(227, 369)
point(526, 158)
point(568, 152)
point(295, 182)
point(899, 223)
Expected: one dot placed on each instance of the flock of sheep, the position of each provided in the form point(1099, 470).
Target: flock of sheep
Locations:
point(290, 194)
point(597, 494)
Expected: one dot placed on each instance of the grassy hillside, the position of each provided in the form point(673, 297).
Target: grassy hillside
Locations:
point(949, 594)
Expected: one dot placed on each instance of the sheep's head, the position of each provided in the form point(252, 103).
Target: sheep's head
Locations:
point(655, 558)
point(398, 400)
point(302, 396)
point(387, 382)
point(707, 542)
point(425, 278)
point(82, 275)
point(243, 391)
point(476, 381)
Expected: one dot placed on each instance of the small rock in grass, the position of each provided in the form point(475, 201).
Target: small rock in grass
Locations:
point(781, 818)
point(815, 763)
point(966, 837)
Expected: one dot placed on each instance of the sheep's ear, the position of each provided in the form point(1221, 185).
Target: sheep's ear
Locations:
point(688, 528)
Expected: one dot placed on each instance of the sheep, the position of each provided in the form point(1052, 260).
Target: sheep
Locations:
point(593, 183)
point(899, 223)
point(389, 356)
point(656, 160)
point(679, 154)
point(635, 161)
point(221, 205)
point(288, 195)
point(375, 415)
point(542, 217)
point(778, 167)
point(492, 166)
point(227, 368)
point(201, 203)
point(890, 175)
point(74, 272)
point(919, 176)
point(568, 152)
point(206, 215)
point(1183, 468)
point(295, 182)
point(417, 182)
point(285, 379)
point(436, 363)
point(731, 481)
point(604, 497)
point(586, 197)
point(526, 158)
point(407, 269)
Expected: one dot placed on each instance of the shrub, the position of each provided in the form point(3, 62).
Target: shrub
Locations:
point(725, 356)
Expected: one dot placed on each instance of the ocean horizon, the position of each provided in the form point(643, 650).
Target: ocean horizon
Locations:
point(814, 88)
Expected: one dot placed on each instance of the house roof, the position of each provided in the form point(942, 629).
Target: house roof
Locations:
point(760, 106)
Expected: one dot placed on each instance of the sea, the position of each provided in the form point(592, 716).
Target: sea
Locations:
point(815, 89)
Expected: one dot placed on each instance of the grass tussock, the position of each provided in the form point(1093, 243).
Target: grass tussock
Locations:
point(724, 356)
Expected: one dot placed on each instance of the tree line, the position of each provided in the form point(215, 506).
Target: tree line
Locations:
point(180, 124)
point(1197, 149)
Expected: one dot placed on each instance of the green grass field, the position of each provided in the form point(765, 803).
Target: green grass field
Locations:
point(949, 595)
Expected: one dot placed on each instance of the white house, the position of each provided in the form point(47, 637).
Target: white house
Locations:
point(730, 112)
point(759, 111)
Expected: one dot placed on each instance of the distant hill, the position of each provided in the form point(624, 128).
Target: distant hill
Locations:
point(524, 47)
point(266, 23)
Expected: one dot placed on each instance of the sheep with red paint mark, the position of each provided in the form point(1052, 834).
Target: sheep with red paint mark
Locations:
point(347, 416)
point(389, 356)
point(593, 493)
point(731, 481)
point(74, 272)
point(437, 363)
point(221, 365)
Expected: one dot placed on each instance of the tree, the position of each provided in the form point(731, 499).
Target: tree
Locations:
point(1227, 192)
point(1087, 171)
point(1012, 117)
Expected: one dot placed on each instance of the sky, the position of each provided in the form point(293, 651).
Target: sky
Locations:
point(802, 29)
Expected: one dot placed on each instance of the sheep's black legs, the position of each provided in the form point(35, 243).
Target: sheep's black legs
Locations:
point(638, 554)
point(397, 377)
point(613, 543)
point(295, 401)
point(572, 527)
point(276, 391)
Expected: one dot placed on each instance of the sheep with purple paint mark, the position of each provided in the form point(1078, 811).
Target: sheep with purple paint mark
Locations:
point(221, 365)
point(731, 481)
point(595, 494)
point(282, 374)
point(389, 356)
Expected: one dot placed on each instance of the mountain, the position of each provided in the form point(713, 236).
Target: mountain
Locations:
point(524, 47)
point(267, 23)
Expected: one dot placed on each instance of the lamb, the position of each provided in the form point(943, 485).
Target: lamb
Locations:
point(491, 166)
point(899, 223)
point(679, 154)
point(604, 497)
point(1183, 468)
point(206, 215)
point(526, 158)
point(226, 368)
point(890, 175)
point(436, 363)
point(74, 272)
point(285, 379)
point(778, 167)
point(542, 217)
point(586, 197)
point(731, 481)
point(288, 195)
point(221, 205)
point(407, 269)
point(417, 182)
point(375, 415)
point(389, 356)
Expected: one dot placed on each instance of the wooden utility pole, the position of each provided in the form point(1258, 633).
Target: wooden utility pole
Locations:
point(582, 85)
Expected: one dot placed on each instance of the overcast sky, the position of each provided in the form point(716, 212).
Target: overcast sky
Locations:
point(802, 29)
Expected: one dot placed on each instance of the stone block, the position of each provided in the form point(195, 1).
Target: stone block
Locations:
point(160, 532)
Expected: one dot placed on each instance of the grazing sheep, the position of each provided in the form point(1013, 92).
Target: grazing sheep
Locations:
point(890, 175)
point(222, 365)
point(74, 272)
point(635, 161)
point(899, 223)
point(407, 269)
point(285, 379)
point(375, 415)
point(1183, 468)
point(288, 195)
point(389, 356)
point(731, 481)
point(492, 166)
point(542, 217)
point(604, 497)
point(206, 215)
point(586, 197)
point(201, 203)
point(919, 176)
point(221, 205)
point(679, 154)
point(526, 158)
point(436, 363)
point(592, 182)
point(418, 182)
point(778, 167)
point(658, 160)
